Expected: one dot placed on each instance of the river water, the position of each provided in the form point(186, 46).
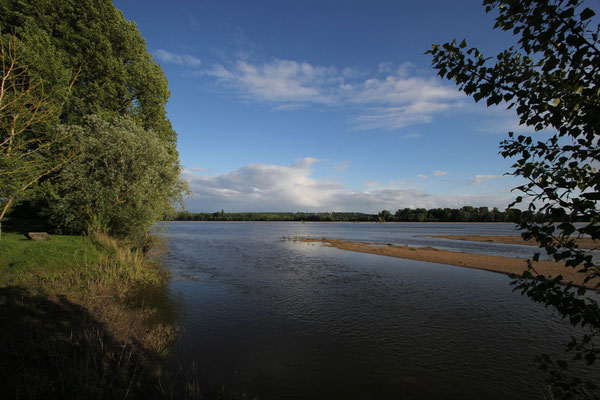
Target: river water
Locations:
point(278, 319)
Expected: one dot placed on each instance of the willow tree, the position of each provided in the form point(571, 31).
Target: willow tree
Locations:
point(122, 181)
point(551, 78)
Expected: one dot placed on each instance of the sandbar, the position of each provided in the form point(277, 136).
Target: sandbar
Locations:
point(584, 243)
point(505, 265)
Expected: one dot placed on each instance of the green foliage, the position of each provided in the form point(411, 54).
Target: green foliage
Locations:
point(123, 180)
point(276, 216)
point(29, 141)
point(464, 214)
point(92, 40)
point(78, 59)
point(551, 79)
point(82, 115)
point(384, 216)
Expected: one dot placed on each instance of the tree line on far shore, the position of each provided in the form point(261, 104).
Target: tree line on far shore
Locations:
point(464, 214)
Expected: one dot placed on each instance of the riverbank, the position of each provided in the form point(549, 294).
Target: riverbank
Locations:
point(505, 265)
point(584, 243)
point(71, 324)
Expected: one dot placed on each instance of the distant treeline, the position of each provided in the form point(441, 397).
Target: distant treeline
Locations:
point(464, 214)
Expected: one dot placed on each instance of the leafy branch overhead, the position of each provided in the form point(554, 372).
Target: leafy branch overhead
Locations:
point(551, 79)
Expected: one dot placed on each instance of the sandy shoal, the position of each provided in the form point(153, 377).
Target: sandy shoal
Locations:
point(506, 265)
point(584, 243)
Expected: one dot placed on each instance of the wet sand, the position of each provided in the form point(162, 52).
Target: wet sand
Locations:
point(505, 265)
point(584, 243)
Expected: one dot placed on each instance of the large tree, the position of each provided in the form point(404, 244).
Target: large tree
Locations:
point(31, 146)
point(91, 38)
point(551, 77)
point(94, 66)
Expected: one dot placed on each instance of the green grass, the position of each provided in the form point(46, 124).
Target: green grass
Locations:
point(72, 262)
point(59, 250)
point(23, 261)
point(69, 326)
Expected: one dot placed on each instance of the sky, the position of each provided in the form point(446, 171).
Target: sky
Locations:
point(326, 105)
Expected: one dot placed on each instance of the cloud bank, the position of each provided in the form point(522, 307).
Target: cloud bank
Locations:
point(389, 99)
point(267, 187)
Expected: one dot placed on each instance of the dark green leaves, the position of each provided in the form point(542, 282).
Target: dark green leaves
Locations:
point(91, 39)
point(94, 62)
point(586, 14)
point(591, 196)
point(552, 81)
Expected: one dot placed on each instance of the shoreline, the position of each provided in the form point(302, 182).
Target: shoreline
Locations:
point(500, 264)
point(74, 308)
point(584, 243)
point(357, 222)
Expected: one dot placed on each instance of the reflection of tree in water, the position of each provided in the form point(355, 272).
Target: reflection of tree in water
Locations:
point(52, 348)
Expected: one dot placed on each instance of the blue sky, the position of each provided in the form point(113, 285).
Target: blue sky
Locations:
point(326, 105)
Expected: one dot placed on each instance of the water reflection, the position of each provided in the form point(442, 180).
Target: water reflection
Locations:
point(279, 319)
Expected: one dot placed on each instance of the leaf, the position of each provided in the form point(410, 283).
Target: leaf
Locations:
point(567, 228)
point(586, 14)
point(591, 196)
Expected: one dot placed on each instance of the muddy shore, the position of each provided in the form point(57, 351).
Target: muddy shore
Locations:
point(505, 265)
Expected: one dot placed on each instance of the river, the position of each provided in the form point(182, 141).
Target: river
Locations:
point(278, 319)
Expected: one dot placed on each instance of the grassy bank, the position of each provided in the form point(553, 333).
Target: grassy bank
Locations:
point(69, 326)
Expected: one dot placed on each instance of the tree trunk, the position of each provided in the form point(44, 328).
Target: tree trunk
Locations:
point(4, 209)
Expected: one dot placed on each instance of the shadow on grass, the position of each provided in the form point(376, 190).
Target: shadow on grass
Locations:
point(52, 348)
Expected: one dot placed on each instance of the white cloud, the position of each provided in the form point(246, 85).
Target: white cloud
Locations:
point(186, 60)
point(341, 165)
point(263, 186)
point(440, 173)
point(477, 179)
point(422, 176)
point(280, 81)
point(266, 187)
point(418, 94)
point(391, 99)
point(370, 183)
